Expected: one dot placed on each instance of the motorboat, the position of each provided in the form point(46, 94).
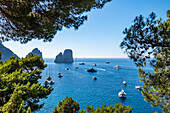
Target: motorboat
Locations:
point(82, 63)
point(49, 78)
point(91, 70)
point(117, 67)
point(94, 65)
point(51, 82)
point(138, 87)
point(124, 82)
point(94, 78)
point(107, 62)
point(59, 75)
point(67, 69)
point(76, 67)
point(122, 94)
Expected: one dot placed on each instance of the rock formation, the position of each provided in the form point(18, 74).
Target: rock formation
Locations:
point(36, 52)
point(66, 57)
point(6, 53)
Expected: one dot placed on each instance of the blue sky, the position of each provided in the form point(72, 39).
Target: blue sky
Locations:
point(101, 34)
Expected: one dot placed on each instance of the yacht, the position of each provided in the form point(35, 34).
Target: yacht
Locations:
point(91, 70)
point(82, 63)
point(122, 94)
point(117, 67)
point(107, 62)
point(94, 78)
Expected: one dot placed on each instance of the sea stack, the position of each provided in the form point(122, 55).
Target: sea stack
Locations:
point(6, 53)
point(66, 57)
point(36, 52)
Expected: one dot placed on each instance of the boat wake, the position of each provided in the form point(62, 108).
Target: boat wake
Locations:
point(101, 69)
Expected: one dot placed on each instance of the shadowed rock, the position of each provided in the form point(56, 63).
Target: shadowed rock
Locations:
point(66, 57)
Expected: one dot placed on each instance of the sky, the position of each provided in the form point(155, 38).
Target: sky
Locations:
point(99, 36)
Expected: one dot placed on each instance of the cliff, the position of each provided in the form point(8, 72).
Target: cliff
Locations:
point(6, 53)
point(36, 52)
point(66, 57)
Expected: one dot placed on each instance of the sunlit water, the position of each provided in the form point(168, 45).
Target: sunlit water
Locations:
point(78, 84)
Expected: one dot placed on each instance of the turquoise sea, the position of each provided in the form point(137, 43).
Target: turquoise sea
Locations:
point(78, 84)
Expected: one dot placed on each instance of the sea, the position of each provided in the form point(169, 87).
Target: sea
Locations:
point(78, 84)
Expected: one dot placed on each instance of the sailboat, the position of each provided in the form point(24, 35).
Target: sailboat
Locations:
point(75, 64)
point(59, 74)
point(124, 82)
point(49, 77)
point(122, 93)
point(137, 86)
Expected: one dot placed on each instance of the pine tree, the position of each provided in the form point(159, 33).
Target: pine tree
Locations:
point(24, 20)
point(19, 87)
point(143, 40)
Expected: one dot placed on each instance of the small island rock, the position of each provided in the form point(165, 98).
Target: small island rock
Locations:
point(66, 57)
point(36, 52)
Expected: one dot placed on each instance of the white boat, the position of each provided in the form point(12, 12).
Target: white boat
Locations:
point(124, 82)
point(138, 87)
point(122, 94)
point(117, 67)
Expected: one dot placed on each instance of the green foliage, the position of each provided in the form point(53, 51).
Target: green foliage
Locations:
point(118, 108)
point(146, 39)
point(19, 88)
point(24, 20)
point(68, 105)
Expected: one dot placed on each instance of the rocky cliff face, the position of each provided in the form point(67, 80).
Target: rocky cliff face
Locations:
point(6, 53)
point(36, 52)
point(66, 57)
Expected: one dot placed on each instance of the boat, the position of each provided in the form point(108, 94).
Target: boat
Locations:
point(82, 63)
point(91, 70)
point(67, 69)
point(107, 62)
point(122, 94)
point(117, 67)
point(49, 77)
point(59, 75)
point(124, 82)
point(94, 65)
point(51, 82)
point(94, 78)
point(76, 67)
point(138, 87)
point(46, 82)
